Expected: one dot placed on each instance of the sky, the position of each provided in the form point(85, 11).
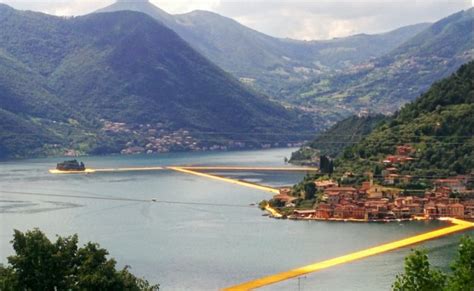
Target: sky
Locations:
point(297, 19)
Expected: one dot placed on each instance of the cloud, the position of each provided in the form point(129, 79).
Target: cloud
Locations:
point(299, 19)
point(183, 6)
point(323, 19)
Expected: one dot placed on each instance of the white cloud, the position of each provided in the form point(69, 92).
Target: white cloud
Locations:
point(300, 19)
point(183, 6)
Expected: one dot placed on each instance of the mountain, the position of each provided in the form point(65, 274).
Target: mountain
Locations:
point(439, 126)
point(341, 135)
point(388, 82)
point(267, 63)
point(103, 82)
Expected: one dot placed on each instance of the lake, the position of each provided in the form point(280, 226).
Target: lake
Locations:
point(207, 236)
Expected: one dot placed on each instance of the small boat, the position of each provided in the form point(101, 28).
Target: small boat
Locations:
point(72, 165)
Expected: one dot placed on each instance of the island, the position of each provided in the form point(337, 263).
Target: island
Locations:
point(72, 165)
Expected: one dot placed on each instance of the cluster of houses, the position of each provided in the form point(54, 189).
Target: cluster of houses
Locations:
point(160, 138)
point(402, 156)
point(373, 202)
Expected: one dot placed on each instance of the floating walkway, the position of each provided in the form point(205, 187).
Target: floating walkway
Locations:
point(191, 168)
point(228, 180)
point(458, 226)
point(263, 169)
point(111, 170)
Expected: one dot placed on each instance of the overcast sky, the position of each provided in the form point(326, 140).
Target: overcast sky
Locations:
point(299, 19)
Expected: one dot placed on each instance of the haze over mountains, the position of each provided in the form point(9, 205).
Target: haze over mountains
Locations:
point(268, 63)
point(333, 77)
point(61, 79)
point(388, 82)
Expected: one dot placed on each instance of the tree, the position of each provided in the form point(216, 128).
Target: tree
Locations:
point(309, 190)
point(39, 264)
point(462, 278)
point(418, 275)
point(326, 165)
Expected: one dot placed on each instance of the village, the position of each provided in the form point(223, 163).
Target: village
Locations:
point(161, 138)
point(449, 197)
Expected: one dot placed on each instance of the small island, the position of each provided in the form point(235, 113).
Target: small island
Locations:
point(72, 165)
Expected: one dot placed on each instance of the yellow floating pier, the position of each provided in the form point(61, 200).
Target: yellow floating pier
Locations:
point(111, 170)
point(228, 180)
point(231, 168)
point(459, 225)
point(192, 168)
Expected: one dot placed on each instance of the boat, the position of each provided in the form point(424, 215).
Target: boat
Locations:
point(72, 165)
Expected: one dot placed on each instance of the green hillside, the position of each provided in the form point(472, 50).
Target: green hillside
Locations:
point(439, 125)
point(269, 64)
point(333, 141)
point(388, 82)
point(67, 79)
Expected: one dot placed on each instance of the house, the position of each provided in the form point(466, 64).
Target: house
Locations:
point(404, 150)
point(333, 198)
point(442, 209)
point(338, 211)
point(359, 213)
point(324, 184)
point(456, 210)
point(454, 184)
point(324, 211)
point(304, 213)
point(415, 209)
point(348, 192)
point(469, 211)
point(285, 199)
point(285, 191)
point(430, 211)
point(391, 179)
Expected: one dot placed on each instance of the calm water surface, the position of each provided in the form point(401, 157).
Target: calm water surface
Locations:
point(188, 243)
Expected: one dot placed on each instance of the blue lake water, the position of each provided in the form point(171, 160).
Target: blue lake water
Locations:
point(188, 243)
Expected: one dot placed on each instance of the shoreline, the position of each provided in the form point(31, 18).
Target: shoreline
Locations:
point(54, 156)
point(273, 213)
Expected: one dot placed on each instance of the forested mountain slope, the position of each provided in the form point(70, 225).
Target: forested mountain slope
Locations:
point(439, 125)
point(70, 76)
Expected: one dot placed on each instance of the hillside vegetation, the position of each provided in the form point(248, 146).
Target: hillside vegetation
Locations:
point(439, 125)
point(386, 83)
point(267, 63)
point(333, 141)
point(63, 80)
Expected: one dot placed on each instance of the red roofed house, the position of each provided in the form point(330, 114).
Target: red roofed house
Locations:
point(324, 211)
point(453, 184)
point(456, 210)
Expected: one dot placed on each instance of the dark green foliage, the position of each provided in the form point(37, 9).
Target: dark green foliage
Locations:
point(462, 278)
point(309, 191)
point(39, 264)
point(326, 165)
point(419, 276)
point(439, 125)
point(346, 132)
point(333, 141)
point(59, 77)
